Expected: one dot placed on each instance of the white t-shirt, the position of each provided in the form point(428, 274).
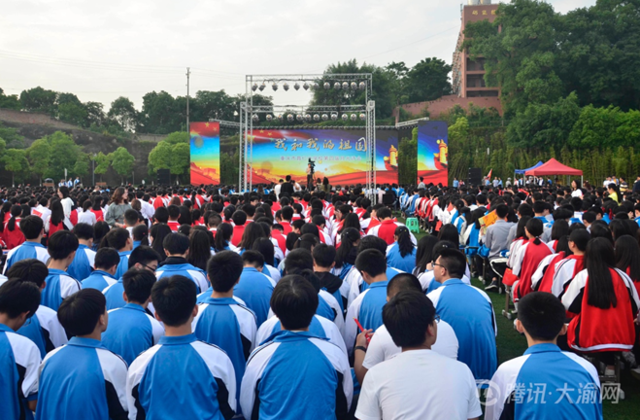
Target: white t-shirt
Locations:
point(382, 347)
point(420, 385)
point(87, 217)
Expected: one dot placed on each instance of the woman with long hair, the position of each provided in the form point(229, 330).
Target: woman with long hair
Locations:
point(351, 220)
point(606, 303)
point(199, 249)
point(12, 234)
point(402, 253)
point(100, 230)
point(118, 205)
point(67, 202)
point(252, 231)
point(87, 216)
point(614, 192)
point(157, 234)
point(57, 218)
point(449, 233)
point(347, 252)
point(424, 254)
point(559, 229)
point(628, 258)
point(223, 238)
point(96, 209)
point(528, 258)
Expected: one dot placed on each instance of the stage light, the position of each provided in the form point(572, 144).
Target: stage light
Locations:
point(336, 85)
point(274, 86)
point(345, 85)
point(305, 86)
point(307, 117)
point(285, 86)
point(327, 85)
point(316, 117)
point(296, 86)
point(299, 117)
point(345, 117)
point(362, 85)
point(315, 86)
point(254, 87)
point(334, 117)
point(325, 117)
point(354, 117)
point(363, 117)
point(269, 117)
point(354, 85)
point(290, 117)
point(278, 117)
point(262, 87)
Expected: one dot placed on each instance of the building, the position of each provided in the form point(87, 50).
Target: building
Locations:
point(467, 74)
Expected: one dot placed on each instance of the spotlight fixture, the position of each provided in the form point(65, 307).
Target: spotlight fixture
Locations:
point(316, 117)
point(274, 86)
point(305, 86)
point(363, 117)
point(325, 117)
point(315, 86)
point(285, 86)
point(345, 85)
point(299, 117)
point(354, 117)
point(354, 85)
point(254, 87)
point(327, 85)
point(362, 85)
point(255, 117)
point(262, 87)
point(345, 117)
point(296, 86)
point(307, 117)
point(269, 117)
point(290, 117)
point(336, 85)
point(334, 117)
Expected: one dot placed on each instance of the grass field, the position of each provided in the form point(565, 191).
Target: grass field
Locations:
point(511, 344)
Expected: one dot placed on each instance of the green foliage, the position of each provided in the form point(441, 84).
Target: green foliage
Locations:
point(102, 163)
point(179, 163)
point(124, 113)
point(122, 162)
point(15, 161)
point(162, 113)
point(408, 158)
point(177, 137)
point(160, 157)
point(11, 137)
point(64, 153)
point(39, 100)
point(81, 167)
point(9, 101)
point(428, 80)
point(39, 154)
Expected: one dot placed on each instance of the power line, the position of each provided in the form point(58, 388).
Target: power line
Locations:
point(413, 43)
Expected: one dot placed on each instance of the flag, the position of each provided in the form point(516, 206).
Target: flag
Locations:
point(489, 175)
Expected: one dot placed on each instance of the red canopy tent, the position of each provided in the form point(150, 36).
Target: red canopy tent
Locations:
point(553, 167)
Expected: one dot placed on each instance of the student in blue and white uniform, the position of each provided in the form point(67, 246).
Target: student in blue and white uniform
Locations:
point(43, 329)
point(142, 257)
point(221, 320)
point(367, 307)
point(323, 262)
point(83, 380)
point(273, 386)
point(119, 239)
point(469, 311)
point(427, 278)
point(266, 248)
point(106, 263)
point(176, 246)
point(402, 253)
point(132, 329)
point(200, 373)
point(58, 284)
point(19, 356)
point(397, 388)
point(255, 287)
point(83, 262)
point(545, 382)
point(32, 229)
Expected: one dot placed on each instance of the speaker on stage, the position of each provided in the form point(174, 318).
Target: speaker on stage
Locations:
point(475, 176)
point(163, 177)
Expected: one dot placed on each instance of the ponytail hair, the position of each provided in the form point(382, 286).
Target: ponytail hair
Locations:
point(405, 245)
point(223, 236)
point(599, 259)
point(16, 210)
point(535, 228)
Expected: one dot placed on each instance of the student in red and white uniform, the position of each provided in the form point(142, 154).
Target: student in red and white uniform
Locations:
point(239, 219)
point(387, 227)
point(12, 234)
point(542, 278)
point(606, 303)
point(528, 258)
point(567, 268)
point(42, 210)
point(287, 214)
point(174, 215)
point(97, 210)
point(628, 258)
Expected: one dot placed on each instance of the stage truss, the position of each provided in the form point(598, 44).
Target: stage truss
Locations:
point(351, 82)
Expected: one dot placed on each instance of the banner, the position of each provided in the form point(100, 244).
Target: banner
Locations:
point(433, 152)
point(338, 154)
point(205, 153)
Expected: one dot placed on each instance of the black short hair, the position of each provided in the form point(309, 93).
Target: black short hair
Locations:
point(83, 231)
point(176, 243)
point(131, 217)
point(137, 284)
point(300, 259)
point(140, 232)
point(502, 210)
point(253, 258)
point(580, 237)
point(106, 258)
point(173, 211)
point(174, 299)
point(31, 269)
point(31, 227)
point(239, 218)
point(62, 244)
point(403, 282)
point(407, 317)
point(324, 255)
point(18, 296)
point(161, 215)
point(542, 315)
point(372, 242)
point(224, 269)
point(371, 261)
point(287, 213)
point(383, 213)
point(142, 255)
point(265, 247)
point(80, 312)
point(454, 261)
point(116, 238)
point(294, 301)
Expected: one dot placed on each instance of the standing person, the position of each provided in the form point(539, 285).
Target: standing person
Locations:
point(469, 312)
point(496, 239)
point(545, 382)
point(65, 200)
point(255, 287)
point(178, 362)
point(287, 188)
point(273, 385)
point(83, 370)
point(58, 284)
point(20, 358)
point(278, 188)
point(33, 228)
point(397, 389)
point(118, 205)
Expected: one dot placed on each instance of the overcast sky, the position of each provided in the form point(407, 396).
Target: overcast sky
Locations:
point(101, 50)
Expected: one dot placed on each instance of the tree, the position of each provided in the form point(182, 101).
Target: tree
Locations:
point(9, 101)
point(15, 161)
point(428, 80)
point(11, 137)
point(39, 99)
point(162, 113)
point(39, 155)
point(160, 157)
point(81, 167)
point(177, 137)
point(179, 159)
point(125, 114)
point(122, 162)
point(72, 113)
point(212, 104)
point(102, 163)
point(95, 114)
point(64, 153)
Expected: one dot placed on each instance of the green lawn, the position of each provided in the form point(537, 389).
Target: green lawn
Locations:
point(511, 344)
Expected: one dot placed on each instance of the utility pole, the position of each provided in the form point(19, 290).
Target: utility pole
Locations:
point(188, 74)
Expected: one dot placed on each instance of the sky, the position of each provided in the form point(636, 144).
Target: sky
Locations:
point(101, 50)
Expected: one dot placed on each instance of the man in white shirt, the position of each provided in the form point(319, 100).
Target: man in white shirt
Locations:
point(277, 189)
point(401, 387)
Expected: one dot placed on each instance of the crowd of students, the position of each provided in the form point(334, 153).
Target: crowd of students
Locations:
point(202, 303)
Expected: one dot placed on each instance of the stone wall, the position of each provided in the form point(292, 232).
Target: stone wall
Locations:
point(447, 102)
